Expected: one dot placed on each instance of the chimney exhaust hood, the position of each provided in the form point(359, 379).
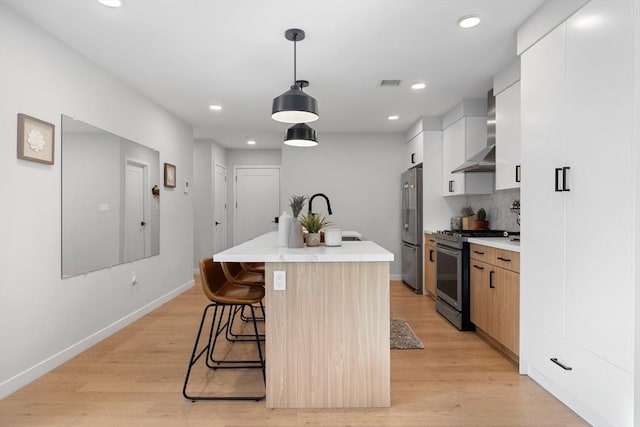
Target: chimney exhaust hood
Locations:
point(485, 160)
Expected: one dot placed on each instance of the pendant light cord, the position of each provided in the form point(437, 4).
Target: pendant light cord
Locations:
point(295, 39)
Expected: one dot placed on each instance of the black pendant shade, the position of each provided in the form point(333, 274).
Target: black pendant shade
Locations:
point(294, 106)
point(301, 135)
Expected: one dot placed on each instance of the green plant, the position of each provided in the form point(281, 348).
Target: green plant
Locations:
point(296, 203)
point(313, 223)
point(481, 215)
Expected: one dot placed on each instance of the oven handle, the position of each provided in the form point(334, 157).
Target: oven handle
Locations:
point(452, 252)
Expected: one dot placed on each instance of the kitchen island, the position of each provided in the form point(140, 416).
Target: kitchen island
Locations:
point(327, 332)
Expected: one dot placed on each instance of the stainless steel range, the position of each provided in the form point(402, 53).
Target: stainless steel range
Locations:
point(452, 274)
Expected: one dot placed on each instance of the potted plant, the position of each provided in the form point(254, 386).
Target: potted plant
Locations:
point(313, 223)
point(295, 231)
point(481, 222)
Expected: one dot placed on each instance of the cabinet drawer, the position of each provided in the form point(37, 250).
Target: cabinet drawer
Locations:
point(592, 387)
point(506, 259)
point(482, 253)
point(429, 239)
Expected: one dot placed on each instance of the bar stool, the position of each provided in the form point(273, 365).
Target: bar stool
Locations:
point(254, 267)
point(237, 274)
point(224, 295)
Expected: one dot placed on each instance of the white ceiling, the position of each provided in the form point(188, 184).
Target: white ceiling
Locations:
point(188, 54)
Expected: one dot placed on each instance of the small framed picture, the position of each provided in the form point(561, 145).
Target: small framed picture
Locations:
point(169, 175)
point(35, 139)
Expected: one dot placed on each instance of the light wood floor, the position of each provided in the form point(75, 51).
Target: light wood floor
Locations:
point(134, 378)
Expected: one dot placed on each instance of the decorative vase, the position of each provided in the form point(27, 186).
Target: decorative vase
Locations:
point(313, 239)
point(295, 234)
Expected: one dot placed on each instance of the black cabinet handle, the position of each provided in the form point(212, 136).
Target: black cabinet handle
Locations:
point(564, 178)
point(478, 267)
point(478, 252)
point(491, 285)
point(504, 259)
point(431, 255)
point(563, 366)
point(558, 179)
point(451, 186)
point(518, 173)
point(413, 158)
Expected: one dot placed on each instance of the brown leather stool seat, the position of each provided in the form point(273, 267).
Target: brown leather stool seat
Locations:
point(226, 298)
point(236, 272)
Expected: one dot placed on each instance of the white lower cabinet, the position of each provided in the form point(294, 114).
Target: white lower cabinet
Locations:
point(601, 391)
point(577, 292)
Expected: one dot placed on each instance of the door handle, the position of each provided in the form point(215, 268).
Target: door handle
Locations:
point(517, 173)
point(451, 186)
point(143, 223)
point(491, 285)
point(276, 220)
point(431, 255)
point(564, 178)
point(218, 223)
point(558, 179)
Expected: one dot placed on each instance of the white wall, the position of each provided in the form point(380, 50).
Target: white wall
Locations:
point(360, 173)
point(202, 190)
point(45, 320)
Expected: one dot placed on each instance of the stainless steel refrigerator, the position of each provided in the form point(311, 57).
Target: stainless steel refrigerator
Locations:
point(412, 232)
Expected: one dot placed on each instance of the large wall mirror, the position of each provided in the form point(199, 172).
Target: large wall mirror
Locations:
point(109, 212)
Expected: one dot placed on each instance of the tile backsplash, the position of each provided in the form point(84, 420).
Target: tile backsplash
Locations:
point(498, 207)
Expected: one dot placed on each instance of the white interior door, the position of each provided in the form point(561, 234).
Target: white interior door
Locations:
point(219, 208)
point(135, 213)
point(257, 201)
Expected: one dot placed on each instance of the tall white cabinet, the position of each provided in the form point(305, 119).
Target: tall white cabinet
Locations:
point(578, 250)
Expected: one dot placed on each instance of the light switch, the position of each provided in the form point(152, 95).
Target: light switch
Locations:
point(279, 280)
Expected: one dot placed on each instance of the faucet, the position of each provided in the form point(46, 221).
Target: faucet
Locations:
point(324, 197)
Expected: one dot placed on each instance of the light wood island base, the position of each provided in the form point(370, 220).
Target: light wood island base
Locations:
point(327, 335)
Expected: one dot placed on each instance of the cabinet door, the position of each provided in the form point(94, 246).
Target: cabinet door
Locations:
point(480, 295)
point(414, 151)
point(599, 280)
point(430, 267)
point(508, 138)
point(543, 150)
point(453, 155)
point(506, 307)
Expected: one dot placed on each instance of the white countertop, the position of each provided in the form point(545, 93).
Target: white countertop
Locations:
point(496, 242)
point(265, 249)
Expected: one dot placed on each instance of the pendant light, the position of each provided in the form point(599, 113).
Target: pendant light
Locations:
point(294, 106)
point(301, 135)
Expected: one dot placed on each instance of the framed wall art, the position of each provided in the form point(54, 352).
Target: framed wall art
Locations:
point(35, 139)
point(169, 175)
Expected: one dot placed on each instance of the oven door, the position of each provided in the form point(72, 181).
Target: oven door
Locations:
point(449, 276)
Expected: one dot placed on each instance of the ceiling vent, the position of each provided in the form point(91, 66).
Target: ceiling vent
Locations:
point(389, 83)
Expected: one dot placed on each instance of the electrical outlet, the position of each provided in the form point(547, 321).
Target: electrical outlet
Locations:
point(279, 280)
point(134, 278)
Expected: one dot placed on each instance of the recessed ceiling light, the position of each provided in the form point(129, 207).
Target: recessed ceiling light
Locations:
point(251, 142)
point(111, 3)
point(215, 107)
point(469, 21)
point(393, 117)
point(418, 86)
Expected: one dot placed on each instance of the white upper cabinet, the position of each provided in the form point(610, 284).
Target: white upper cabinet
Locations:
point(508, 171)
point(461, 140)
point(414, 151)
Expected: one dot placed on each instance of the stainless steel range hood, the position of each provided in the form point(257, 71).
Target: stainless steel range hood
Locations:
point(485, 160)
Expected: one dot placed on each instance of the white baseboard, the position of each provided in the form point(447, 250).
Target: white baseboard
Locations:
point(23, 378)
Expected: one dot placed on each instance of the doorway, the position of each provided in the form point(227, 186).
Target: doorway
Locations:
point(257, 201)
point(137, 236)
point(219, 208)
